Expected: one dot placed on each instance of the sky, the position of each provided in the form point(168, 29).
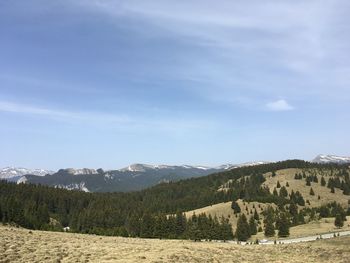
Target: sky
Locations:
point(108, 83)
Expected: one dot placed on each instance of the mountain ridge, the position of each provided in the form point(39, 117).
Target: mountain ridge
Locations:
point(136, 176)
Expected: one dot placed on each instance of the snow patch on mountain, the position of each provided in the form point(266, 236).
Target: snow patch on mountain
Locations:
point(324, 158)
point(80, 171)
point(234, 166)
point(22, 180)
point(81, 187)
point(11, 172)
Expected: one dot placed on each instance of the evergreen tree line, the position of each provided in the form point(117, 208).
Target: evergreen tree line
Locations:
point(42, 207)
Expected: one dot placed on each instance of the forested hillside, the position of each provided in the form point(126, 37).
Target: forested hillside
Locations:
point(144, 213)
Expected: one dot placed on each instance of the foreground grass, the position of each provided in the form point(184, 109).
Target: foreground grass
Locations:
point(22, 245)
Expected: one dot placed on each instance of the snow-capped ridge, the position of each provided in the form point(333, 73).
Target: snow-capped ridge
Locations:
point(79, 171)
point(11, 172)
point(75, 186)
point(233, 166)
point(328, 158)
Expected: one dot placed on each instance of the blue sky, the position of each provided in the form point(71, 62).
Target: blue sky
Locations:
point(108, 83)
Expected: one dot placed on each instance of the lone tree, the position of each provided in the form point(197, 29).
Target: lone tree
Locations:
point(312, 191)
point(339, 221)
point(283, 225)
point(278, 184)
point(235, 207)
point(242, 231)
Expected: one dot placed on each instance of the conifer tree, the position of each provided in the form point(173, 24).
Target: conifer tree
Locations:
point(269, 222)
point(283, 192)
point(278, 184)
point(252, 226)
point(235, 207)
point(339, 221)
point(283, 225)
point(269, 228)
point(242, 230)
point(323, 181)
point(256, 215)
point(275, 193)
point(312, 191)
point(308, 181)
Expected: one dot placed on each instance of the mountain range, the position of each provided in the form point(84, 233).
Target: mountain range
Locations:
point(132, 178)
point(323, 158)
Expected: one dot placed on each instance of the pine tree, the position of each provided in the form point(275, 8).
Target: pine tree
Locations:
point(323, 181)
point(256, 215)
point(252, 226)
point(269, 229)
point(283, 225)
point(180, 223)
point(308, 181)
point(235, 207)
point(278, 184)
point(243, 230)
point(283, 192)
point(312, 191)
point(324, 211)
point(346, 189)
point(339, 221)
point(275, 193)
point(269, 221)
point(287, 184)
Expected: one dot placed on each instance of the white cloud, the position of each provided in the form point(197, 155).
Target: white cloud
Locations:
point(279, 105)
point(248, 40)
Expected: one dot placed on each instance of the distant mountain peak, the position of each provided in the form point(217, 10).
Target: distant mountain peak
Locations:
point(17, 172)
point(328, 158)
point(138, 167)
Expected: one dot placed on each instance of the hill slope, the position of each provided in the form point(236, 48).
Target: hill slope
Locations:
point(18, 245)
point(143, 213)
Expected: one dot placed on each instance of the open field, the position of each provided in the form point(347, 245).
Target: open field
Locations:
point(324, 225)
point(224, 209)
point(287, 175)
point(22, 245)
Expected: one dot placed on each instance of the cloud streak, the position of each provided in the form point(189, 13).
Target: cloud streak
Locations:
point(279, 105)
point(243, 41)
point(99, 119)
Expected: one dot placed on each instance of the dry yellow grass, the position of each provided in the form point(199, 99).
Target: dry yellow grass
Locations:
point(287, 175)
point(19, 245)
point(224, 209)
point(322, 226)
point(284, 176)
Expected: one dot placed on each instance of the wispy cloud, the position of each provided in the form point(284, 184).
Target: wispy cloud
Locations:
point(100, 119)
point(247, 40)
point(279, 105)
point(62, 114)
